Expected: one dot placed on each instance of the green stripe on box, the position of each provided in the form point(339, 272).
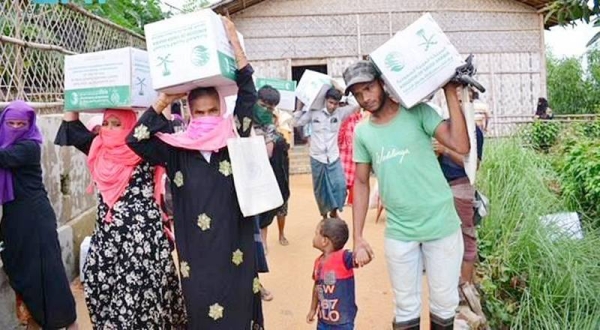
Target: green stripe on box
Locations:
point(228, 65)
point(282, 85)
point(97, 98)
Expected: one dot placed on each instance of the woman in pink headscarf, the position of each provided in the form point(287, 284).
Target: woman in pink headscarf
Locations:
point(130, 277)
point(31, 255)
point(215, 243)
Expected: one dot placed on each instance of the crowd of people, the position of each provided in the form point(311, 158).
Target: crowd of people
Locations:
point(165, 183)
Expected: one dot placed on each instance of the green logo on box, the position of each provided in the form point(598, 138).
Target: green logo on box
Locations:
point(164, 60)
point(200, 56)
point(428, 41)
point(394, 62)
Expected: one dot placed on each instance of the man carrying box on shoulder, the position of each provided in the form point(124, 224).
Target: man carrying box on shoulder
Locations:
point(329, 183)
point(423, 226)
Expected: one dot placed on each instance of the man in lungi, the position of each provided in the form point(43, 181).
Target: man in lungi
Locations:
point(329, 183)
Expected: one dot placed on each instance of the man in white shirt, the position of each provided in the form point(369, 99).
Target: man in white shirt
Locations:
point(482, 112)
point(329, 183)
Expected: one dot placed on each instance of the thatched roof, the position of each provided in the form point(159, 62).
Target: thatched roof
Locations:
point(233, 6)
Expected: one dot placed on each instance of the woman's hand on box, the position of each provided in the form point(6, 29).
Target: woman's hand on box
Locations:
point(234, 40)
point(165, 100)
point(229, 27)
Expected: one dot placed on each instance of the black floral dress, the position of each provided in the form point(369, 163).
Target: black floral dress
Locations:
point(130, 277)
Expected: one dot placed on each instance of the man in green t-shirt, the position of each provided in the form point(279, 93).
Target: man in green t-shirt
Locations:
point(423, 227)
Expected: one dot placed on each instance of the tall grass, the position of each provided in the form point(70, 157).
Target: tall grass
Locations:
point(530, 280)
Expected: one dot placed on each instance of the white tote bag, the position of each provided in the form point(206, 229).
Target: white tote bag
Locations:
point(255, 184)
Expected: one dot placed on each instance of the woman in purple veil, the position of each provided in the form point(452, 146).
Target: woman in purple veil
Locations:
point(31, 255)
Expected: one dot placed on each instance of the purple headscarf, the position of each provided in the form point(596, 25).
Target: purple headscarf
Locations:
point(17, 110)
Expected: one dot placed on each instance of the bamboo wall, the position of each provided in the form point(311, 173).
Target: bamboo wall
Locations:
point(505, 36)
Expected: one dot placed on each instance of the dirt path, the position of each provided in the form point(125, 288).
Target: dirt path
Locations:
point(291, 266)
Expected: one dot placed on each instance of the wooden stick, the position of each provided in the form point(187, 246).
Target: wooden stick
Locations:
point(34, 45)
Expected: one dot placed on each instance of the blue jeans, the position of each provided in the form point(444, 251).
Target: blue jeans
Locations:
point(325, 326)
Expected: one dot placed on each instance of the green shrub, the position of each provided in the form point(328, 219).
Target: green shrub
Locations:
point(528, 280)
point(542, 135)
point(580, 177)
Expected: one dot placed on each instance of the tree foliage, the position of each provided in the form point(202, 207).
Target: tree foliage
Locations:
point(130, 14)
point(572, 87)
point(570, 11)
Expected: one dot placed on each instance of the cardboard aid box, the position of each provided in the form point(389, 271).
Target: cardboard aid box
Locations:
point(118, 78)
point(189, 51)
point(312, 88)
point(286, 88)
point(417, 61)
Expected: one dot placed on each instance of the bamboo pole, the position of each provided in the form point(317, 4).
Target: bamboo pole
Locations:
point(34, 45)
point(18, 58)
point(36, 105)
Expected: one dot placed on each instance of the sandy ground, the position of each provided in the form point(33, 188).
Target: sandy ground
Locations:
point(291, 267)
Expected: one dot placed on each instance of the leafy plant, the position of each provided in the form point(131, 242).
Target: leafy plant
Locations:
point(571, 89)
point(542, 135)
point(567, 11)
point(529, 278)
point(130, 14)
point(580, 174)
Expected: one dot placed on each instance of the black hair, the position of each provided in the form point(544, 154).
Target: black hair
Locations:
point(176, 108)
point(200, 92)
point(475, 95)
point(336, 230)
point(333, 93)
point(542, 106)
point(269, 95)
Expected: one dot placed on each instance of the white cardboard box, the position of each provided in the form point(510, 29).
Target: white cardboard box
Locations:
point(118, 78)
point(417, 61)
point(312, 88)
point(286, 88)
point(190, 51)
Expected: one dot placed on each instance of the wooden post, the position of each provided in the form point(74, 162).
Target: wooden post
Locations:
point(18, 73)
point(543, 73)
point(493, 103)
point(390, 24)
point(358, 38)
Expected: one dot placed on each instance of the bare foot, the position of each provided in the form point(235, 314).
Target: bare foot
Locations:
point(265, 294)
point(283, 241)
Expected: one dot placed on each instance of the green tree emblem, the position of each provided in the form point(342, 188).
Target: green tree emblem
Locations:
point(428, 41)
point(142, 83)
point(164, 61)
point(200, 56)
point(394, 62)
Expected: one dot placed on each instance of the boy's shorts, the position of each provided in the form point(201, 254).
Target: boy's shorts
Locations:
point(324, 326)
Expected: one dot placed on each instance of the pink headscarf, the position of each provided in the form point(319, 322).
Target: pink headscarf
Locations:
point(94, 122)
point(205, 133)
point(112, 163)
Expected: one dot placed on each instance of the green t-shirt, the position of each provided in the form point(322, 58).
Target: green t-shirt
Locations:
point(413, 190)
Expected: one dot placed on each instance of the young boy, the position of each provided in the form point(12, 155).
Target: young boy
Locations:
point(333, 291)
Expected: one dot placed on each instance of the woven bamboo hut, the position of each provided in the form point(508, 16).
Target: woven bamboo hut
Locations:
point(284, 37)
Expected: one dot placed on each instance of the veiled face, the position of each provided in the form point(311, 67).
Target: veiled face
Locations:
point(17, 123)
point(112, 123)
point(205, 106)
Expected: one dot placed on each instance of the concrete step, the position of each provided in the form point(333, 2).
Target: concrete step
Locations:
point(299, 160)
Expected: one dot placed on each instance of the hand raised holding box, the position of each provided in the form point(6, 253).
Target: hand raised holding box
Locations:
point(453, 133)
point(166, 99)
point(234, 40)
